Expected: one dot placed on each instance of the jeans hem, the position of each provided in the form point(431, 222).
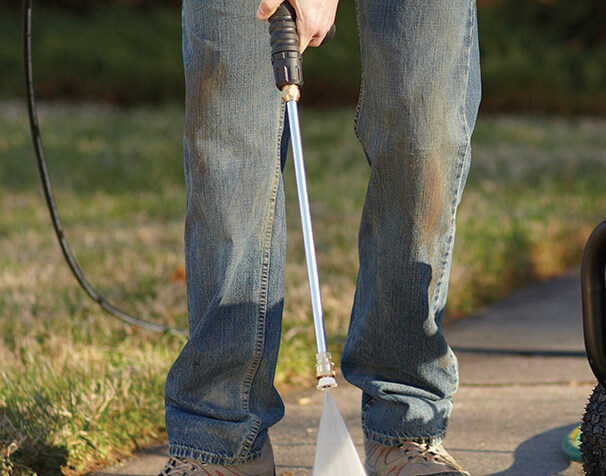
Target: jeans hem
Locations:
point(398, 440)
point(183, 451)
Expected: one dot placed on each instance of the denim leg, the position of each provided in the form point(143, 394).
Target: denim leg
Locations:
point(418, 104)
point(220, 397)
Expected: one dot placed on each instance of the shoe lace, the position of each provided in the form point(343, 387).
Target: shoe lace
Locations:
point(177, 467)
point(426, 452)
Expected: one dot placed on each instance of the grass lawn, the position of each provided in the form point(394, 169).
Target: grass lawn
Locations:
point(547, 55)
point(78, 388)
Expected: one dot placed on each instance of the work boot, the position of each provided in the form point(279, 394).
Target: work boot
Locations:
point(410, 459)
point(263, 466)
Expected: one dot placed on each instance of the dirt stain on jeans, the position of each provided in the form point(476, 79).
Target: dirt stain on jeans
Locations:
point(433, 197)
point(201, 82)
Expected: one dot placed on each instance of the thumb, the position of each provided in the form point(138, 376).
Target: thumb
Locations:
point(267, 8)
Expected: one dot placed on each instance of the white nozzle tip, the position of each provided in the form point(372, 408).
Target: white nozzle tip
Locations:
point(326, 383)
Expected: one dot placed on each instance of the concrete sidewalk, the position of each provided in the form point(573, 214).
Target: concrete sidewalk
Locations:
point(511, 412)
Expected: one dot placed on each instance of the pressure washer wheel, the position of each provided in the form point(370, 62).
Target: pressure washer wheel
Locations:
point(593, 434)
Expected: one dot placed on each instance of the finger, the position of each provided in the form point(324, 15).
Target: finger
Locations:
point(316, 41)
point(267, 8)
point(307, 39)
point(304, 41)
point(307, 28)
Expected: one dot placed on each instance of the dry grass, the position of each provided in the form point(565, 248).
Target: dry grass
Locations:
point(78, 389)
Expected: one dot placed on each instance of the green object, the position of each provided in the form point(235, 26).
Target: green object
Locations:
point(572, 444)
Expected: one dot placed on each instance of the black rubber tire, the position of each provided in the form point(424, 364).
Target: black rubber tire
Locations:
point(593, 434)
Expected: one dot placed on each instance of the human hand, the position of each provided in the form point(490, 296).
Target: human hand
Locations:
point(314, 18)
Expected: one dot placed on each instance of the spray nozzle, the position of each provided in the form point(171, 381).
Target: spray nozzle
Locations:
point(325, 371)
point(326, 383)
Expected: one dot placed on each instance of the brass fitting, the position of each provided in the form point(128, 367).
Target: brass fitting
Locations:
point(324, 365)
point(325, 371)
point(291, 92)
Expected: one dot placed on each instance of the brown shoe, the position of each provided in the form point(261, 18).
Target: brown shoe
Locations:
point(263, 466)
point(410, 459)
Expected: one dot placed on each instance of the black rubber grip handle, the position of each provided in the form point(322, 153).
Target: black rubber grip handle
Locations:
point(286, 58)
point(284, 39)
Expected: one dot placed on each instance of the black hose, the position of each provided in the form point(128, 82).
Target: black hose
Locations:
point(48, 193)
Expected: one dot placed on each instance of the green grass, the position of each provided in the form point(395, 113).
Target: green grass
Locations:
point(535, 191)
point(536, 55)
point(78, 389)
point(126, 54)
point(543, 55)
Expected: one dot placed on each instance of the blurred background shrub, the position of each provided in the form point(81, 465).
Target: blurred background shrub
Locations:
point(537, 55)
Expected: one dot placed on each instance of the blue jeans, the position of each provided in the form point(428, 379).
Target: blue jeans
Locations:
point(417, 109)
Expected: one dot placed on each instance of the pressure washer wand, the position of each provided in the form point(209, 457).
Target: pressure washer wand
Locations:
point(287, 64)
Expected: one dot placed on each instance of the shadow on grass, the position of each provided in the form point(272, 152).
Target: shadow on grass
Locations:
point(40, 458)
point(25, 449)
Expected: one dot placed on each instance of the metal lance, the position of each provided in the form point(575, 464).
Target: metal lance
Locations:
point(287, 65)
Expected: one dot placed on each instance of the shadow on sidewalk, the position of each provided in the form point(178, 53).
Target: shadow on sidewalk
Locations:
point(148, 462)
point(540, 455)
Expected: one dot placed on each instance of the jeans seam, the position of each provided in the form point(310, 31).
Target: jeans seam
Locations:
point(263, 293)
point(462, 155)
point(249, 441)
point(472, 27)
point(360, 103)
